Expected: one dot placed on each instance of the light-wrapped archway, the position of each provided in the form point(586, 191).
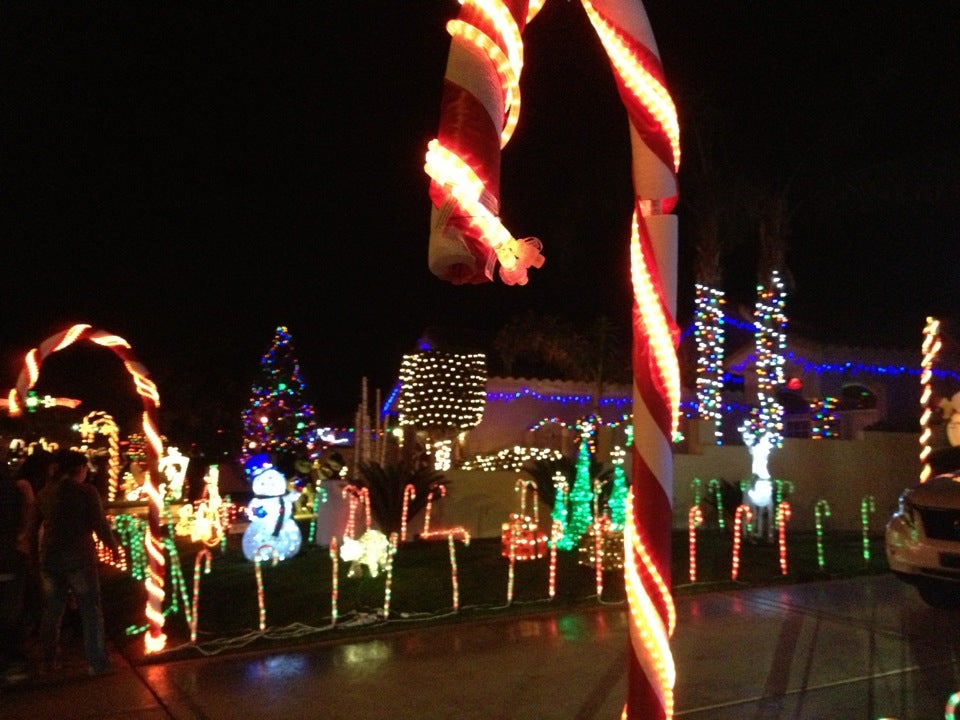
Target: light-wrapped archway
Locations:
point(155, 639)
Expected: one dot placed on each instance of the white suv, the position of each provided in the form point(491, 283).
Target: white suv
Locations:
point(923, 540)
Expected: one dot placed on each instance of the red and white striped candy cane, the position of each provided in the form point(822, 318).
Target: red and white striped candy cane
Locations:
point(155, 640)
point(478, 113)
point(479, 110)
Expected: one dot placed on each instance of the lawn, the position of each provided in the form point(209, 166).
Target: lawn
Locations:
point(298, 599)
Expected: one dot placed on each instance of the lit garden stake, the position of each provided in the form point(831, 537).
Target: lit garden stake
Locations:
point(510, 572)
point(867, 506)
point(319, 496)
point(454, 579)
point(409, 493)
point(555, 536)
point(950, 711)
point(264, 551)
point(388, 587)
point(442, 489)
point(696, 485)
point(820, 511)
point(694, 520)
point(334, 580)
point(349, 493)
point(714, 487)
point(198, 564)
point(598, 533)
point(743, 515)
point(931, 347)
point(783, 514)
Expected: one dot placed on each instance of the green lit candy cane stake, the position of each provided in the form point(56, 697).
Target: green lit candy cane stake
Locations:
point(867, 506)
point(951, 708)
point(820, 511)
point(714, 487)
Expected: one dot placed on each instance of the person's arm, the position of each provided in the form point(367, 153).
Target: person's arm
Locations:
point(101, 526)
point(26, 509)
point(34, 521)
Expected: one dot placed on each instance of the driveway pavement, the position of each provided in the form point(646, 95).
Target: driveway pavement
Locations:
point(852, 649)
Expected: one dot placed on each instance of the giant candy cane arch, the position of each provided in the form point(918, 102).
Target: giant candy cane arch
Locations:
point(155, 640)
point(479, 109)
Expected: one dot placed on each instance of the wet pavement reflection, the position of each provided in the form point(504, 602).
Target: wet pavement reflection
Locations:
point(853, 649)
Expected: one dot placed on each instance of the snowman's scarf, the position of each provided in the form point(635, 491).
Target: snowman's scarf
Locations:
point(283, 511)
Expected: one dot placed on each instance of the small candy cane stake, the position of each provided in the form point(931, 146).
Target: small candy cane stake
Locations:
point(744, 513)
point(694, 520)
point(513, 560)
point(555, 535)
point(263, 551)
point(388, 588)
point(409, 493)
point(204, 554)
point(783, 514)
point(867, 506)
point(820, 511)
point(442, 489)
point(334, 589)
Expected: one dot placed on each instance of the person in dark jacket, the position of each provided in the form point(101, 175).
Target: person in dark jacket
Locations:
point(16, 500)
point(66, 513)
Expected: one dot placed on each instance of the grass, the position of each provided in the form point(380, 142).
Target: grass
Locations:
point(297, 593)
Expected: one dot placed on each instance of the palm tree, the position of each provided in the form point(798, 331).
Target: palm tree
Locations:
point(386, 485)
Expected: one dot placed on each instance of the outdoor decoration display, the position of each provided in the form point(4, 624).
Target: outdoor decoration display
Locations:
point(708, 332)
point(200, 563)
point(581, 499)
point(442, 390)
point(867, 505)
point(207, 519)
point(270, 513)
point(694, 520)
point(356, 496)
point(264, 552)
point(102, 423)
point(278, 420)
point(479, 110)
point(372, 550)
point(173, 466)
point(931, 348)
point(520, 536)
point(451, 534)
point(783, 514)
point(741, 523)
point(618, 495)
point(601, 546)
point(820, 511)
point(154, 639)
point(522, 539)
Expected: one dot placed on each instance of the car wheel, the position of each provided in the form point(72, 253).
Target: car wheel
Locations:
point(939, 595)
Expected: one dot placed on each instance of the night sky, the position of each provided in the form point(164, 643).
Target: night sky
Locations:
point(191, 175)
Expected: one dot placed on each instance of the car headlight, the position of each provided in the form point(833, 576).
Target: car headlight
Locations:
point(907, 511)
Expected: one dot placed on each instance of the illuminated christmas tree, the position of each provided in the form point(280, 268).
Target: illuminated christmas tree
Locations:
point(618, 496)
point(278, 421)
point(581, 499)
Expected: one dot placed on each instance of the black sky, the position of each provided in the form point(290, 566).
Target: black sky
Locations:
point(191, 175)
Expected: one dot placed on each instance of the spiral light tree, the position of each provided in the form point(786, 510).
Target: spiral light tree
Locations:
point(479, 111)
point(155, 640)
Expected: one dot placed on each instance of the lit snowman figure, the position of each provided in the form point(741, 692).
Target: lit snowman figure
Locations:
point(271, 515)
